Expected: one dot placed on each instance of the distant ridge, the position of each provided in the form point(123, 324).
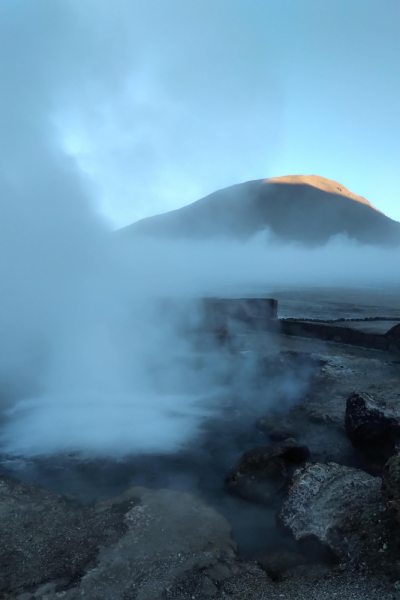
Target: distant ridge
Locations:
point(302, 208)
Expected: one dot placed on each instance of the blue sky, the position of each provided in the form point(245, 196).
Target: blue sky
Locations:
point(164, 101)
point(341, 91)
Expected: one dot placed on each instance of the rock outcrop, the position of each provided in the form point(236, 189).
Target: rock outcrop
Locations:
point(144, 544)
point(373, 425)
point(262, 474)
point(277, 427)
point(391, 488)
point(330, 508)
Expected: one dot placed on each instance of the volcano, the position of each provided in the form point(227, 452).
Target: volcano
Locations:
point(297, 208)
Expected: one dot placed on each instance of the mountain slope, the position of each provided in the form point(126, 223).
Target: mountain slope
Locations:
point(303, 208)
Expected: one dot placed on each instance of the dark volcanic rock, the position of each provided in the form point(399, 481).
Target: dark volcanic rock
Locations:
point(277, 427)
point(391, 487)
point(373, 425)
point(263, 473)
point(278, 561)
point(329, 508)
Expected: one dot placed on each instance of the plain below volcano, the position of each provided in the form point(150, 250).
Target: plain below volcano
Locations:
point(303, 208)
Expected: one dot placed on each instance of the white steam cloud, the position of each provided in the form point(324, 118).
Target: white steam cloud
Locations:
point(87, 362)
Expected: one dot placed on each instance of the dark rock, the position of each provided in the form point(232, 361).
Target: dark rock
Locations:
point(262, 474)
point(328, 509)
point(280, 434)
point(391, 487)
point(277, 427)
point(208, 588)
point(373, 425)
point(275, 563)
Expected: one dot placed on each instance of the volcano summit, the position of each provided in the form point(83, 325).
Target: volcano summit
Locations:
point(303, 208)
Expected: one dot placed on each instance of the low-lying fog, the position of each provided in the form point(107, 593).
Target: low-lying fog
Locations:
point(90, 363)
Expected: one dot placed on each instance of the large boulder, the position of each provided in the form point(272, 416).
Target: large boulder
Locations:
point(262, 474)
point(330, 507)
point(144, 544)
point(373, 425)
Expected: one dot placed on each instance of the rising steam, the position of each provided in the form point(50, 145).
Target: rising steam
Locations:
point(88, 363)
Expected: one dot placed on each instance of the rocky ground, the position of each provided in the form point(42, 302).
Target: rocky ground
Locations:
point(146, 545)
point(321, 468)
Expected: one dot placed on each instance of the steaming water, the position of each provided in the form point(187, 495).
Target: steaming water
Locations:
point(200, 465)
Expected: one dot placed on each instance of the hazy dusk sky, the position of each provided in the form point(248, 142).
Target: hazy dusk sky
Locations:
point(165, 101)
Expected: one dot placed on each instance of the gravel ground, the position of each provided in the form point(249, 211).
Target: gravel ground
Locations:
point(312, 583)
